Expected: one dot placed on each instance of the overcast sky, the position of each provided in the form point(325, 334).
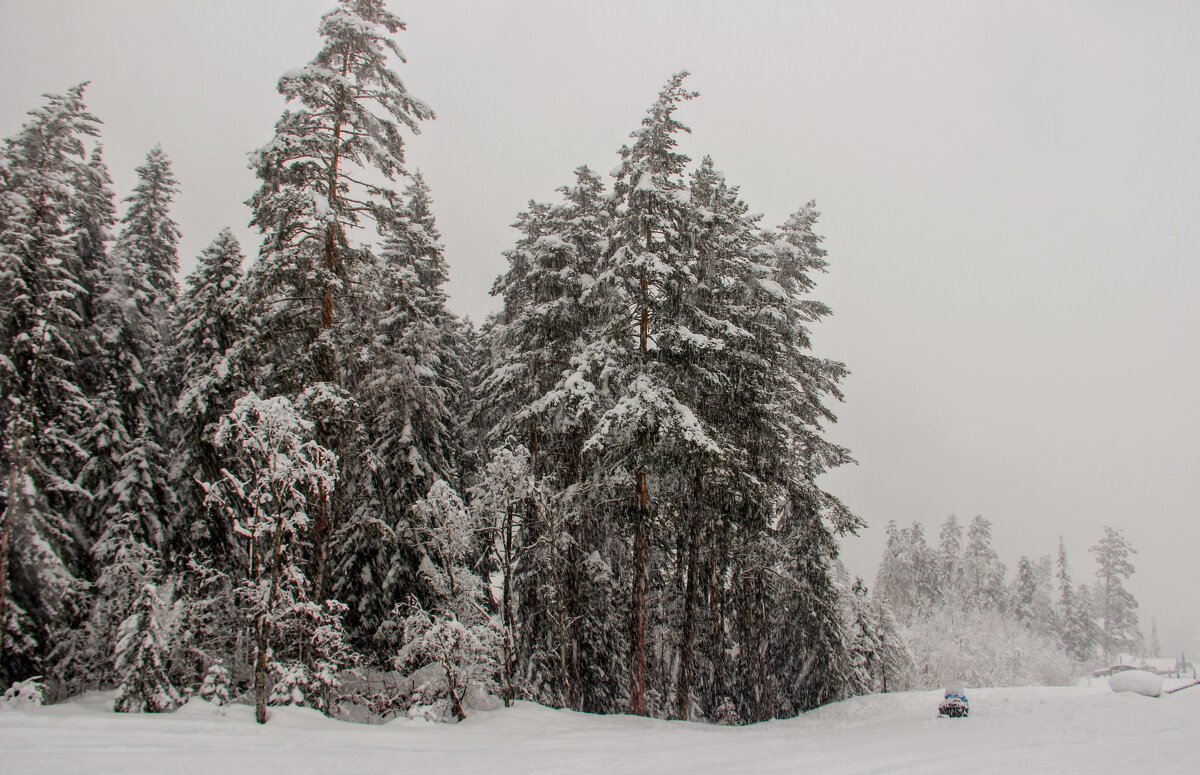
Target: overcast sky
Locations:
point(1011, 198)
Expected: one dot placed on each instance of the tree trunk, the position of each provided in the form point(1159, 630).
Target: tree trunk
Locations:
point(260, 669)
point(716, 646)
point(509, 612)
point(455, 699)
point(637, 672)
point(687, 647)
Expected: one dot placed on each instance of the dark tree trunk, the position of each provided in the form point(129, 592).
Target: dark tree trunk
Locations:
point(687, 645)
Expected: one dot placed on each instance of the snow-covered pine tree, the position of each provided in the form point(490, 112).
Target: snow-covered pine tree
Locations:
point(280, 473)
point(324, 180)
point(648, 429)
point(539, 386)
point(140, 659)
point(46, 182)
point(1117, 606)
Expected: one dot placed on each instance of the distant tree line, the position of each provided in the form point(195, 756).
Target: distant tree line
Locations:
point(964, 620)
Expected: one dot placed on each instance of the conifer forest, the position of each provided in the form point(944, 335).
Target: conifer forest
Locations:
point(296, 477)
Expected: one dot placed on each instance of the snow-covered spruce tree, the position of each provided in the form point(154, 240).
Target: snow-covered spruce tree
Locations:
point(1065, 607)
point(343, 129)
point(131, 505)
point(280, 473)
point(209, 322)
point(140, 659)
point(46, 182)
point(895, 663)
point(1117, 608)
point(216, 685)
point(148, 233)
point(812, 518)
point(862, 642)
point(893, 579)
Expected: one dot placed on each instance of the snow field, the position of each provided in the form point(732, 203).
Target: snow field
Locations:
point(1018, 730)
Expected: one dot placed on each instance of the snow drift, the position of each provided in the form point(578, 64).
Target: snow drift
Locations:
point(1139, 681)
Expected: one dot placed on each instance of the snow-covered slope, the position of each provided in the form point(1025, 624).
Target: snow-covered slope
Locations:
point(1030, 730)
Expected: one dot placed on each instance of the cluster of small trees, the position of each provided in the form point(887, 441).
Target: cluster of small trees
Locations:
point(966, 621)
point(604, 499)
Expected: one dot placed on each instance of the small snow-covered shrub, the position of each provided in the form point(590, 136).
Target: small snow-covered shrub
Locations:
point(726, 713)
point(27, 693)
point(215, 688)
point(455, 658)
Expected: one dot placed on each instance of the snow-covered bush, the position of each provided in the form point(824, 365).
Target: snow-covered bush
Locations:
point(465, 655)
point(27, 693)
point(984, 648)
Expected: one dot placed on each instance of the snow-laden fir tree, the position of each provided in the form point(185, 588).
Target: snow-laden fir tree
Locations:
point(410, 348)
point(1024, 590)
point(209, 322)
point(1083, 633)
point(46, 180)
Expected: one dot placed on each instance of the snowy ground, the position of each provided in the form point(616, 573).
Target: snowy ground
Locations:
point(1031, 730)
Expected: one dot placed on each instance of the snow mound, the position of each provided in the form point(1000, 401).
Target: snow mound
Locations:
point(1138, 681)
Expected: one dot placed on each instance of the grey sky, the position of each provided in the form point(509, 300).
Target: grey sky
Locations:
point(1010, 195)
